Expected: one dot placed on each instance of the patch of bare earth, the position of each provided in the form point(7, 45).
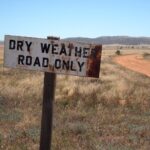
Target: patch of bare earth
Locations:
point(135, 63)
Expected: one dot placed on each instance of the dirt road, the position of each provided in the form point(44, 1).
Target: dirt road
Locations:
point(135, 63)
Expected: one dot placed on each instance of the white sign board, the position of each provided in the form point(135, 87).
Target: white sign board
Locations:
point(57, 56)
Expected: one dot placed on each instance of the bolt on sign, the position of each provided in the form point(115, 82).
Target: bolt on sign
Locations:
point(57, 56)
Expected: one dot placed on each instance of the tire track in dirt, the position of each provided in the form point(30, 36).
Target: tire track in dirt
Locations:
point(134, 62)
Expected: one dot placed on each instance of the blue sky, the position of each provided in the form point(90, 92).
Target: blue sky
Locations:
point(74, 18)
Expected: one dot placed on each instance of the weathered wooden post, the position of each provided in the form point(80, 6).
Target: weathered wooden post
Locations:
point(47, 110)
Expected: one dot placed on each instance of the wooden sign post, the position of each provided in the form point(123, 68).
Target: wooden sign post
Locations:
point(47, 110)
point(51, 56)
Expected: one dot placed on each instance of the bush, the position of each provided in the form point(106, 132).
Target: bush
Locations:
point(146, 55)
point(118, 52)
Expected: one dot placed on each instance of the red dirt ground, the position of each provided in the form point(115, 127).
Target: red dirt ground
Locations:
point(134, 62)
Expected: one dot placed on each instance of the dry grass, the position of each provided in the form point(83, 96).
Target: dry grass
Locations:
point(109, 113)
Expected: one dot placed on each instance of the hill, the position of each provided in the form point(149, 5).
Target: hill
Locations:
point(123, 40)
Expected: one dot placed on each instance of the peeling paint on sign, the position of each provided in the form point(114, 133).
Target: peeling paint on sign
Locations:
point(57, 56)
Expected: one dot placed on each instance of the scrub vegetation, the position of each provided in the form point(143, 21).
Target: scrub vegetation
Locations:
point(146, 55)
point(109, 113)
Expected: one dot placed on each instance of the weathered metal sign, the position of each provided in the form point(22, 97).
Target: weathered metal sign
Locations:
point(63, 57)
